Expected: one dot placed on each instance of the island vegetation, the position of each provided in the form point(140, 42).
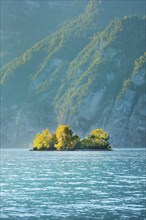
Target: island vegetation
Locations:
point(64, 140)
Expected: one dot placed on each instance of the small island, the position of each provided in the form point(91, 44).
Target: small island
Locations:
point(64, 140)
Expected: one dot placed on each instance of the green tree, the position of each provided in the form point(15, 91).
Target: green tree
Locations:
point(97, 139)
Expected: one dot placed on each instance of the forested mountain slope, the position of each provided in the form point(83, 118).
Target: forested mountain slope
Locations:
point(82, 75)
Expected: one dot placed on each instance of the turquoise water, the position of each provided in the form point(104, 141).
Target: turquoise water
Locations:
point(73, 185)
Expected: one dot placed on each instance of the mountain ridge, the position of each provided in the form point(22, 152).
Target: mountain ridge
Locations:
point(82, 77)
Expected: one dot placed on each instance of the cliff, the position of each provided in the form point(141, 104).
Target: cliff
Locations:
point(85, 75)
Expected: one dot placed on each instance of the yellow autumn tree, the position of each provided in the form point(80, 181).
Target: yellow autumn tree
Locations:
point(38, 142)
point(99, 134)
point(97, 139)
point(65, 138)
point(45, 140)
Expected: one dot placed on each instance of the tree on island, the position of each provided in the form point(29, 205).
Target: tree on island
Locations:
point(63, 139)
point(45, 140)
point(97, 139)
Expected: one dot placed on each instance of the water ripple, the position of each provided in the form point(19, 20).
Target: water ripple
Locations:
point(73, 185)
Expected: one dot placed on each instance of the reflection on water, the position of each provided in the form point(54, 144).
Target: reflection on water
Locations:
point(73, 185)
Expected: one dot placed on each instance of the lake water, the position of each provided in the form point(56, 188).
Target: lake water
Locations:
point(73, 185)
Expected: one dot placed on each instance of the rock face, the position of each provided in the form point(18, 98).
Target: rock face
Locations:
point(124, 118)
point(82, 75)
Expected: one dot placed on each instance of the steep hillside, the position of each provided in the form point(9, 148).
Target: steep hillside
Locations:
point(80, 76)
point(23, 23)
point(21, 79)
point(100, 81)
point(49, 55)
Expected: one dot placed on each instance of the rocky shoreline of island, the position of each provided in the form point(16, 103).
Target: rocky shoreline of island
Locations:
point(88, 149)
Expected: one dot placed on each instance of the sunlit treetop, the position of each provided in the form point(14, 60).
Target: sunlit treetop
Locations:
point(63, 139)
